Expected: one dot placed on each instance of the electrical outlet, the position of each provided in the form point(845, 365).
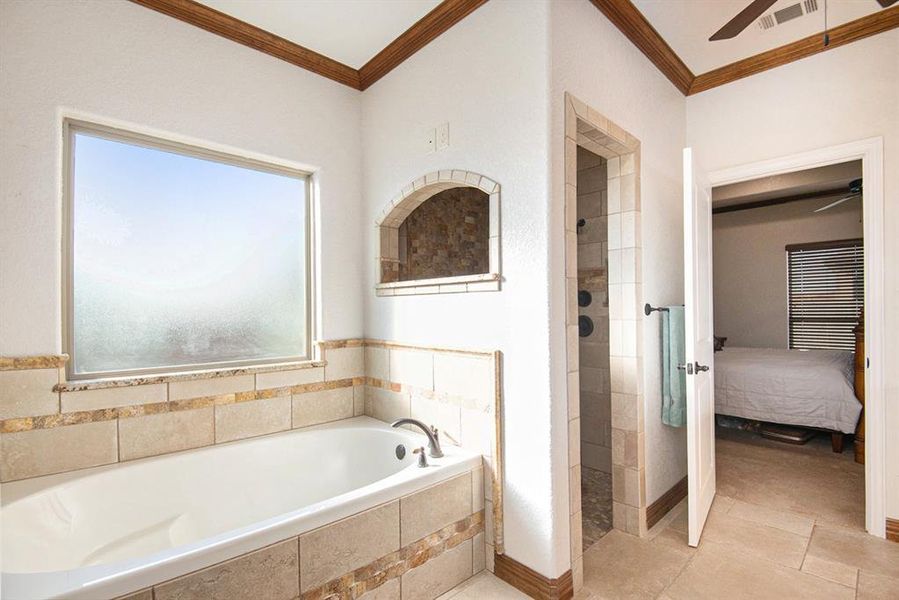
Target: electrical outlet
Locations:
point(443, 137)
point(430, 144)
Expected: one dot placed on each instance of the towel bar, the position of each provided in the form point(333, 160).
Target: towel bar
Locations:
point(648, 309)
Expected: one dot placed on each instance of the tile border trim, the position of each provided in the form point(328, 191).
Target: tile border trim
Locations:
point(21, 424)
point(41, 361)
point(394, 565)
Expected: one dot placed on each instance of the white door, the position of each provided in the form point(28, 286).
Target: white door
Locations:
point(700, 347)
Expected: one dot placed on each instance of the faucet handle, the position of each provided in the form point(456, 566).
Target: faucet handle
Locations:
point(422, 456)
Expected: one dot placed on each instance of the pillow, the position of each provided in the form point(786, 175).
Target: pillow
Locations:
point(719, 343)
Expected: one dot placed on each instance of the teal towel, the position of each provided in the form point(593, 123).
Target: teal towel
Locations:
point(674, 380)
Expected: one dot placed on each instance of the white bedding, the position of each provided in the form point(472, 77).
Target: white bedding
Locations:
point(812, 388)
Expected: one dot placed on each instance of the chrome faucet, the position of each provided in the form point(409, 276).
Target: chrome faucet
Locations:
point(433, 436)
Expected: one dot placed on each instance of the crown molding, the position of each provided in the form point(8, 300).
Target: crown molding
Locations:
point(622, 13)
point(882, 20)
point(219, 23)
point(631, 22)
point(432, 25)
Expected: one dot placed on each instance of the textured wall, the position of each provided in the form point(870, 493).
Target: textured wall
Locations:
point(107, 62)
point(487, 78)
point(593, 61)
point(446, 236)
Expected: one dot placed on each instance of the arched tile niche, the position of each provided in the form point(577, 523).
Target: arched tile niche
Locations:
point(440, 235)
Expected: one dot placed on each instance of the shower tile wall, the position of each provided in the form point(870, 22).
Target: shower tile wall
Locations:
point(592, 253)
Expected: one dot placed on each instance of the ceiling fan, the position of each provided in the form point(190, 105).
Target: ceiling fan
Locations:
point(752, 12)
point(855, 191)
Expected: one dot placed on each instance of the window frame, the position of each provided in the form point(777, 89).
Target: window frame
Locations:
point(812, 246)
point(73, 126)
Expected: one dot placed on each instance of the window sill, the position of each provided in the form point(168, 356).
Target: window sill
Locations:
point(482, 282)
point(79, 385)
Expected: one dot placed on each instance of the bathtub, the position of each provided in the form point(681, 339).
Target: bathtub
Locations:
point(111, 530)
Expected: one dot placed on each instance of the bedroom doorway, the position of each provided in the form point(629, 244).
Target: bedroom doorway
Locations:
point(797, 290)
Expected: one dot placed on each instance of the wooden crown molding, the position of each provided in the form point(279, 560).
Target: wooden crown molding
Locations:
point(531, 582)
point(622, 13)
point(631, 22)
point(878, 22)
point(241, 32)
point(432, 25)
point(627, 18)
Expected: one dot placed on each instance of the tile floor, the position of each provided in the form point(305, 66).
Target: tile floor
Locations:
point(482, 586)
point(596, 504)
point(784, 526)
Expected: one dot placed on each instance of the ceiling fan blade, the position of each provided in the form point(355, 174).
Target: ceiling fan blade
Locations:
point(840, 201)
point(743, 19)
point(887, 3)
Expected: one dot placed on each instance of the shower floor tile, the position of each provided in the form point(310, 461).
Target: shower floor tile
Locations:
point(596, 504)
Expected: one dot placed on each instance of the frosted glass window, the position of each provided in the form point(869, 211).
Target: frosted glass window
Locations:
point(182, 259)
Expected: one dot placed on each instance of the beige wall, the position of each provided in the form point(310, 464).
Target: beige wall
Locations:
point(750, 268)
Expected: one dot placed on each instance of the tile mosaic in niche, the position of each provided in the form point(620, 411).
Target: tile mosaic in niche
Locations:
point(446, 236)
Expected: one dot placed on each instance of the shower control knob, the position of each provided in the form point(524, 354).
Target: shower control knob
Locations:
point(584, 326)
point(584, 298)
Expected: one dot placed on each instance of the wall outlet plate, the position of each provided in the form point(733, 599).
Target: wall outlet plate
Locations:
point(430, 141)
point(443, 136)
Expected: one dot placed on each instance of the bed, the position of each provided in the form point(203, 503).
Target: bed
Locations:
point(807, 388)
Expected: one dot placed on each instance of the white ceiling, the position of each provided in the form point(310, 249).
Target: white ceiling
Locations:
point(687, 25)
point(350, 31)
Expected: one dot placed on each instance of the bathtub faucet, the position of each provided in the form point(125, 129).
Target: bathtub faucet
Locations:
point(433, 437)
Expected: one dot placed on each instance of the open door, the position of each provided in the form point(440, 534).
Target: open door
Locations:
point(700, 347)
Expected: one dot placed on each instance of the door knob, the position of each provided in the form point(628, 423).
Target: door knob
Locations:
point(687, 367)
point(700, 367)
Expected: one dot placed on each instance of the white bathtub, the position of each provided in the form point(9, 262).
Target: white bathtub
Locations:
point(107, 531)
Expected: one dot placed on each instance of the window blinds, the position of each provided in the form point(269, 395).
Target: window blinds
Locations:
point(826, 293)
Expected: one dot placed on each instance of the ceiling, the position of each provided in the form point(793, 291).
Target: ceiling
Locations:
point(687, 25)
point(821, 182)
point(349, 31)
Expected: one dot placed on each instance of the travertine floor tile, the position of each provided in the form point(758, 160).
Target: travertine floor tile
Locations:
point(483, 585)
point(624, 566)
point(809, 480)
point(796, 523)
point(877, 587)
point(831, 571)
point(720, 571)
point(721, 505)
point(773, 544)
point(855, 549)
